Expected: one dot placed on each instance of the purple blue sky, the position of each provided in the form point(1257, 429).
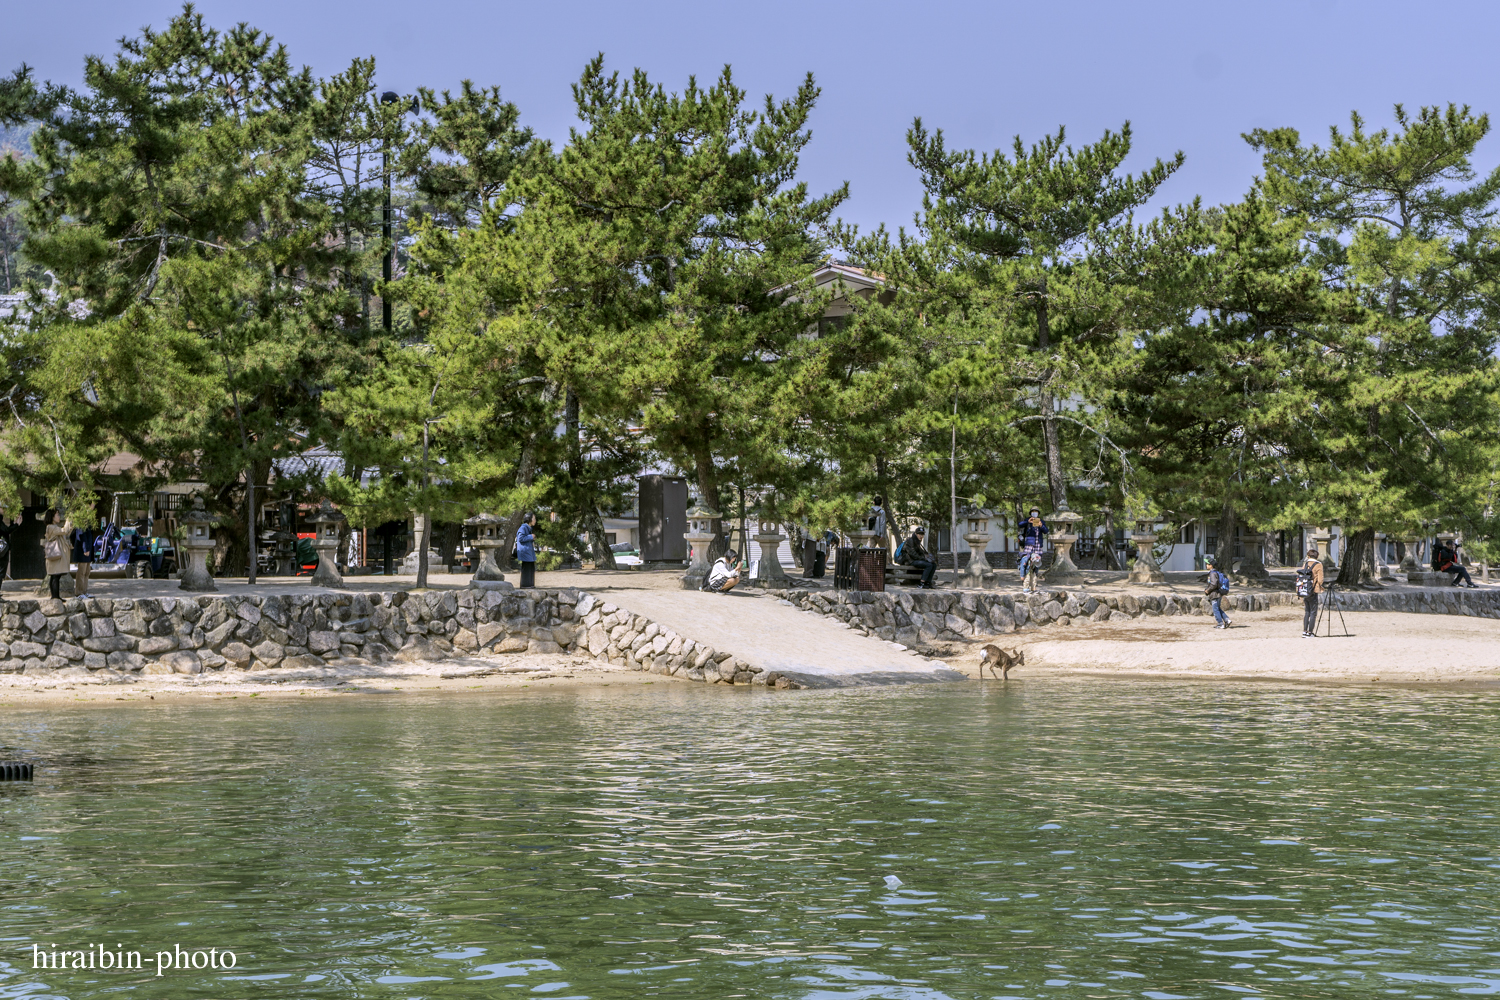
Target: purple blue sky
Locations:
point(1189, 76)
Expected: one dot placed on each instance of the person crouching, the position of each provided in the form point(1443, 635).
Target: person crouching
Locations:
point(724, 574)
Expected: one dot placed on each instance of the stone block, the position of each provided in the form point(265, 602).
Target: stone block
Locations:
point(269, 653)
point(67, 650)
point(543, 646)
point(78, 626)
point(513, 644)
point(598, 640)
point(109, 644)
point(182, 662)
point(212, 661)
point(151, 645)
point(95, 661)
point(956, 624)
point(125, 661)
point(466, 640)
point(248, 612)
point(1119, 616)
point(35, 622)
point(220, 634)
point(1100, 613)
point(27, 649)
point(129, 622)
point(237, 654)
point(323, 642)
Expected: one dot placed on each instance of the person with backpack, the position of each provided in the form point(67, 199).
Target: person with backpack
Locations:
point(913, 553)
point(1216, 589)
point(1447, 562)
point(1309, 586)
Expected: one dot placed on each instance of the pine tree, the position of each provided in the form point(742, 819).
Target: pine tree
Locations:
point(1028, 230)
point(1400, 221)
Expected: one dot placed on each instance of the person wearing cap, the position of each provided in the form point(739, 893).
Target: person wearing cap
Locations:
point(1217, 587)
point(723, 574)
point(1031, 532)
point(914, 553)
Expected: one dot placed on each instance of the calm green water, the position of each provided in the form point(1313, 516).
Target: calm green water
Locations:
point(1052, 840)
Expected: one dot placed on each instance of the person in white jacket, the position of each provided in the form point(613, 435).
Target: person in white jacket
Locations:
point(723, 574)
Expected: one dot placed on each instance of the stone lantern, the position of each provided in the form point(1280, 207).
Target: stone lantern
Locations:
point(700, 536)
point(327, 522)
point(487, 539)
point(977, 574)
point(1146, 570)
point(1323, 539)
point(1253, 564)
point(1382, 568)
point(1409, 558)
point(1063, 536)
point(768, 571)
point(196, 544)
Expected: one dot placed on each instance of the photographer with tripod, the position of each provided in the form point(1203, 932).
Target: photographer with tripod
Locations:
point(1309, 588)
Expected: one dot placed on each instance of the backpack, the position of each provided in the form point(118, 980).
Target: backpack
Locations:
point(1223, 581)
point(901, 554)
point(1304, 580)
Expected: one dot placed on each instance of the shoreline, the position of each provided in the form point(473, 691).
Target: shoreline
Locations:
point(1387, 648)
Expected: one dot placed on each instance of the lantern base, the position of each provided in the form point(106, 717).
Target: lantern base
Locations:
point(195, 576)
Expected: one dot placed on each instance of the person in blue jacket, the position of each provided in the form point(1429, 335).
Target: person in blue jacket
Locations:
point(526, 549)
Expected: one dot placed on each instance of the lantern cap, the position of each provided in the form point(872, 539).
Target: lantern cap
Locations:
point(198, 515)
point(326, 514)
point(703, 512)
point(481, 519)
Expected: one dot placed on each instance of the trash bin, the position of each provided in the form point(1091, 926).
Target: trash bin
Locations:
point(843, 568)
point(871, 573)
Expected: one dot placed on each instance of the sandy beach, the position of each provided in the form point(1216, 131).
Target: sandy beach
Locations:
point(1384, 648)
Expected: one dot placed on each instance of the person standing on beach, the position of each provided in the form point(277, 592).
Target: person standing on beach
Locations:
point(1217, 587)
point(1310, 585)
point(526, 549)
point(1031, 532)
point(55, 534)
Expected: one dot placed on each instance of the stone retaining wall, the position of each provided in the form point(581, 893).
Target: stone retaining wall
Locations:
point(914, 617)
point(189, 635)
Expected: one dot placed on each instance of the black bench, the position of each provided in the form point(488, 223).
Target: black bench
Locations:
point(903, 576)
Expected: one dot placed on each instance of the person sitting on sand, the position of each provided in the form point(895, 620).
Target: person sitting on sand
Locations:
point(723, 574)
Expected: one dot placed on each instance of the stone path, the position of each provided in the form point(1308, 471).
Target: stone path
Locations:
point(813, 650)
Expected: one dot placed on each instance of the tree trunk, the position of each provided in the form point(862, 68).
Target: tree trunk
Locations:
point(448, 541)
point(795, 536)
point(1270, 549)
point(1357, 550)
point(708, 492)
point(1053, 450)
point(1224, 554)
point(1111, 558)
point(525, 473)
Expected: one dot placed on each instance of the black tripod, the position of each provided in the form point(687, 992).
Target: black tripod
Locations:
point(1330, 605)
